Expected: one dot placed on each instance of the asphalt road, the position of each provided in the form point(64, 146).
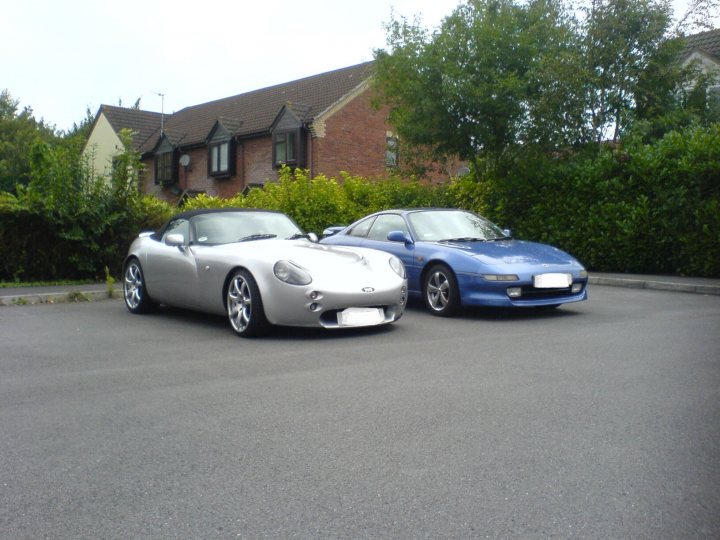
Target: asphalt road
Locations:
point(598, 420)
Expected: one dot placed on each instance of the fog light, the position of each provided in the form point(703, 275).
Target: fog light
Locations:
point(514, 292)
point(313, 295)
point(576, 288)
point(313, 307)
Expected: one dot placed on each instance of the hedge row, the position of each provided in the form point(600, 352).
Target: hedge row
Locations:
point(45, 245)
point(638, 208)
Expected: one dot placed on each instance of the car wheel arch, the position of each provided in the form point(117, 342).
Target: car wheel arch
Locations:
point(228, 278)
point(427, 265)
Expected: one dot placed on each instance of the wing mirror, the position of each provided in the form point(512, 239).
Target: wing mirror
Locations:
point(331, 230)
point(399, 236)
point(175, 240)
point(507, 232)
point(312, 237)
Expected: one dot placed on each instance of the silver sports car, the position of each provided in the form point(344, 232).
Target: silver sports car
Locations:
point(260, 269)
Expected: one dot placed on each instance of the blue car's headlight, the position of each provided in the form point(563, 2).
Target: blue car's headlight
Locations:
point(500, 277)
point(291, 273)
point(397, 265)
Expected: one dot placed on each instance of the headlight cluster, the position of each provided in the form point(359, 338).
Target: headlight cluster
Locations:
point(397, 265)
point(291, 273)
point(500, 277)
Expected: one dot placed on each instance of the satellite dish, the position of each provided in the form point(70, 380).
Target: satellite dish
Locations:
point(185, 160)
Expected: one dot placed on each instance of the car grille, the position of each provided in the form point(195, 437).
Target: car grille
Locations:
point(529, 292)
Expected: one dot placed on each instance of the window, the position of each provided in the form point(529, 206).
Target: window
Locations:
point(385, 224)
point(220, 158)
point(284, 148)
point(179, 226)
point(361, 228)
point(391, 148)
point(164, 168)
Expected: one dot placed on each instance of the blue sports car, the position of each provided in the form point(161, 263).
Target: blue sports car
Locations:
point(456, 258)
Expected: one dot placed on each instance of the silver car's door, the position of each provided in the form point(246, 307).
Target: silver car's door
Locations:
point(171, 271)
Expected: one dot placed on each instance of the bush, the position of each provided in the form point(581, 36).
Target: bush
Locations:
point(650, 208)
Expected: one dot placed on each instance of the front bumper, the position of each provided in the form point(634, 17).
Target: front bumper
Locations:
point(476, 291)
point(317, 306)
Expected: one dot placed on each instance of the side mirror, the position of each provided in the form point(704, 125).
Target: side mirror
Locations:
point(332, 230)
point(507, 232)
point(175, 240)
point(312, 237)
point(399, 236)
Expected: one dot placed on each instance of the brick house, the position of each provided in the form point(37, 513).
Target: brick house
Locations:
point(324, 123)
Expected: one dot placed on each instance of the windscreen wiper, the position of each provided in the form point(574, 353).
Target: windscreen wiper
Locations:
point(257, 237)
point(463, 239)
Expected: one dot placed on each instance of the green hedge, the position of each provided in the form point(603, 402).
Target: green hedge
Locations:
point(316, 203)
point(43, 245)
point(637, 208)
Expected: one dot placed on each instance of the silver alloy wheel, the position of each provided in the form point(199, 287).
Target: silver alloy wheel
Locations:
point(133, 285)
point(438, 291)
point(239, 304)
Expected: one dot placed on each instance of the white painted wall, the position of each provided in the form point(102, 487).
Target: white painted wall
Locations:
point(103, 144)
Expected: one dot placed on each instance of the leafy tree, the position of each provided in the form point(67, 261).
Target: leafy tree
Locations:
point(18, 133)
point(495, 76)
point(624, 46)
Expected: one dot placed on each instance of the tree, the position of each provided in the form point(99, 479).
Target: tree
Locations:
point(18, 133)
point(494, 77)
point(503, 78)
point(623, 41)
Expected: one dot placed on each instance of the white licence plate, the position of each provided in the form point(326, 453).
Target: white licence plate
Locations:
point(361, 316)
point(552, 281)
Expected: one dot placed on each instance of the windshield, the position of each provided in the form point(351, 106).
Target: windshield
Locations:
point(459, 225)
point(227, 227)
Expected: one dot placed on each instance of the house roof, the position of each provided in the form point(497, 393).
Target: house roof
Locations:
point(144, 123)
point(253, 113)
point(706, 42)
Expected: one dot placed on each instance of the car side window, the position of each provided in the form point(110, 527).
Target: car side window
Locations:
point(384, 224)
point(179, 226)
point(361, 229)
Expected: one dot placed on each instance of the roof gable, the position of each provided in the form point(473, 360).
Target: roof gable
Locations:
point(143, 123)
point(707, 43)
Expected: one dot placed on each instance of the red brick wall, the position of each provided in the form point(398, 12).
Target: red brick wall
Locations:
point(354, 141)
point(258, 160)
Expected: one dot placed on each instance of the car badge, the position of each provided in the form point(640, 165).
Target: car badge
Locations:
point(368, 289)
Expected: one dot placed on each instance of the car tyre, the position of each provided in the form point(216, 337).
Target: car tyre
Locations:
point(440, 291)
point(244, 305)
point(135, 291)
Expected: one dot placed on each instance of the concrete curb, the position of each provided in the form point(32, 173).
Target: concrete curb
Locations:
point(659, 284)
point(61, 297)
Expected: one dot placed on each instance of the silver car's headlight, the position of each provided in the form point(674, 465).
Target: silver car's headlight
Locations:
point(397, 265)
point(291, 273)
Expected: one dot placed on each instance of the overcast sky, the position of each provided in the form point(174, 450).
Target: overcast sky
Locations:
point(60, 57)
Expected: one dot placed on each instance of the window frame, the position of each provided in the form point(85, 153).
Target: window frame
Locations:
point(284, 137)
point(215, 152)
point(391, 151)
point(164, 165)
